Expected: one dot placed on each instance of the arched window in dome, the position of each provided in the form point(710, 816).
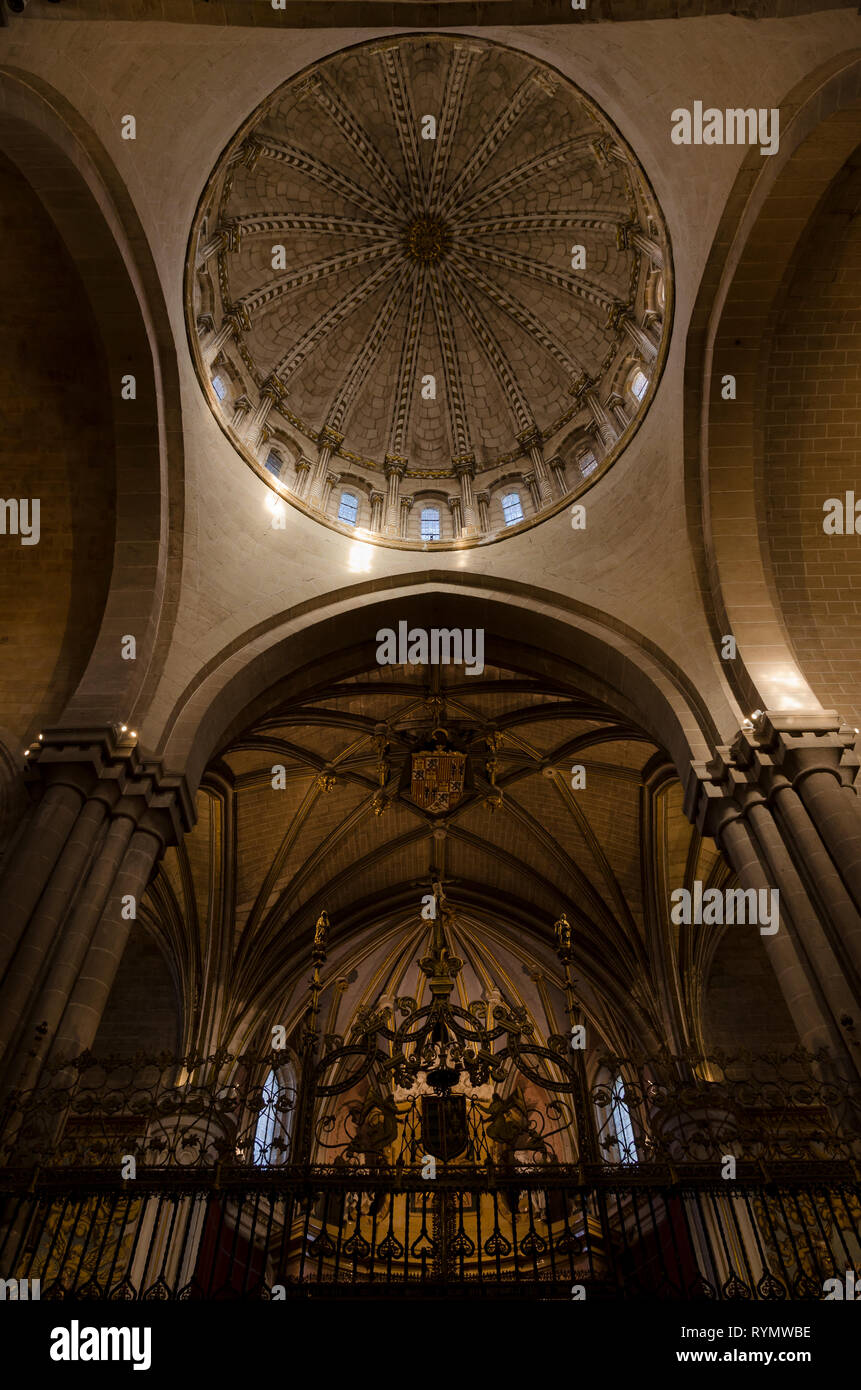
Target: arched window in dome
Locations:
point(588, 463)
point(348, 510)
point(275, 1119)
point(430, 524)
point(660, 292)
point(638, 385)
point(219, 387)
point(273, 464)
point(512, 508)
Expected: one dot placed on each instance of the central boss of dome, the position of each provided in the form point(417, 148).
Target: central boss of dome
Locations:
point(427, 238)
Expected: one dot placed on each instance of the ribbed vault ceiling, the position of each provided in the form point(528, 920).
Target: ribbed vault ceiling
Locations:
point(237, 901)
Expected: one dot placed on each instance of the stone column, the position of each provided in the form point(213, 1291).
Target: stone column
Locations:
point(303, 474)
point(328, 441)
point(395, 467)
point(91, 989)
point(406, 508)
point(483, 500)
point(603, 424)
point(272, 392)
point(241, 407)
point(331, 480)
point(749, 790)
point(235, 321)
point(639, 338)
point(531, 440)
point(795, 976)
point(377, 500)
point(454, 508)
point(557, 468)
point(225, 239)
point(30, 865)
point(649, 247)
point(71, 950)
point(616, 404)
point(530, 482)
point(806, 765)
point(464, 470)
point(34, 951)
point(97, 786)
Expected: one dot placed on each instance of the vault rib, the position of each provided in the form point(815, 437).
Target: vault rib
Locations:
point(323, 173)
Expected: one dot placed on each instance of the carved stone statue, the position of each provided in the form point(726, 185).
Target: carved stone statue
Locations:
point(321, 930)
point(562, 928)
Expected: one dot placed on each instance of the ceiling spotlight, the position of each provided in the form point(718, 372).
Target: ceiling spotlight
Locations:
point(123, 728)
point(133, 733)
point(40, 736)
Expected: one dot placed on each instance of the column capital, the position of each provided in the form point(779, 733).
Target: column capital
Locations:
point(205, 324)
point(583, 383)
point(330, 438)
point(407, 503)
point(775, 750)
point(273, 389)
point(249, 152)
point(531, 438)
point(231, 235)
point(237, 317)
point(104, 762)
point(394, 464)
point(483, 497)
point(376, 498)
point(464, 464)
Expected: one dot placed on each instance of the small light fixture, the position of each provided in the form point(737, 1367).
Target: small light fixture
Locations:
point(133, 733)
point(40, 736)
point(123, 728)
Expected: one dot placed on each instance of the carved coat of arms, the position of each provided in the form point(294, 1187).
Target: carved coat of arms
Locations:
point(437, 779)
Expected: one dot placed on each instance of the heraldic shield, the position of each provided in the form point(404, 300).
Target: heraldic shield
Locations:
point(444, 1132)
point(437, 779)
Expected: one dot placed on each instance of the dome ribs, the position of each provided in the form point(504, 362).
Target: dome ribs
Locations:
point(404, 122)
point(449, 123)
point(521, 315)
point(338, 110)
point(326, 174)
point(512, 179)
point(496, 356)
point(343, 307)
point(487, 147)
point(404, 395)
point(458, 425)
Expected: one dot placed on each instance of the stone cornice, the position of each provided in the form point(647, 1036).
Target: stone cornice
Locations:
point(373, 14)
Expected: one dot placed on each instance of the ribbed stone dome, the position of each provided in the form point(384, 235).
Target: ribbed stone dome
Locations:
point(428, 276)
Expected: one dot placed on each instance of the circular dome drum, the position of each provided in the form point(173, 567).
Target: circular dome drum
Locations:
point(427, 290)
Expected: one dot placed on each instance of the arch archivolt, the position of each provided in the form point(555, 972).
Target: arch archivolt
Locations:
point(292, 652)
point(78, 184)
point(770, 207)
